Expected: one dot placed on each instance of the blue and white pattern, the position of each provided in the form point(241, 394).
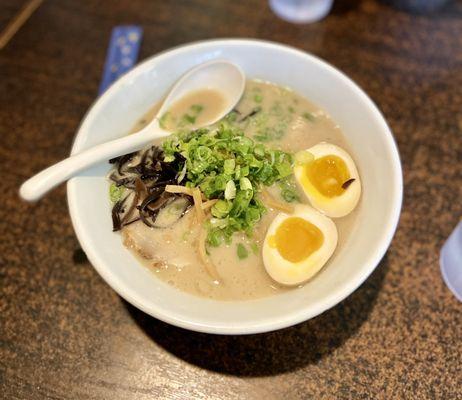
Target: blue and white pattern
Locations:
point(122, 53)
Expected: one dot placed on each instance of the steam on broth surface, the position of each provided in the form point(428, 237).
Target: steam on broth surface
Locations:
point(268, 114)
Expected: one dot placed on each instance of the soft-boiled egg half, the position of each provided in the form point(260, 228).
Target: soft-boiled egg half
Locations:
point(329, 178)
point(297, 245)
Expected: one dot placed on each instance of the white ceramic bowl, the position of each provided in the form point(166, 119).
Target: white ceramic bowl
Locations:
point(375, 152)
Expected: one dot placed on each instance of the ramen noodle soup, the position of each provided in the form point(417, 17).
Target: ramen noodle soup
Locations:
point(253, 206)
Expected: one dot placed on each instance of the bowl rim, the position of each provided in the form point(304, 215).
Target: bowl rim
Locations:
point(266, 326)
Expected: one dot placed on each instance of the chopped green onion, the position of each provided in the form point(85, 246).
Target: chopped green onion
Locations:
point(214, 237)
point(232, 116)
point(197, 108)
point(289, 190)
point(252, 215)
point(230, 190)
point(188, 119)
point(203, 153)
point(221, 208)
point(229, 166)
point(308, 116)
point(163, 120)
point(289, 195)
point(219, 222)
point(284, 169)
point(116, 192)
point(245, 184)
point(244, 171)
point(259, 150)
point(241, 202)
point(242, 252)
point(258, 98)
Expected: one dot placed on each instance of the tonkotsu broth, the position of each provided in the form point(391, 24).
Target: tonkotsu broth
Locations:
point(286, 121)
point(198, 107)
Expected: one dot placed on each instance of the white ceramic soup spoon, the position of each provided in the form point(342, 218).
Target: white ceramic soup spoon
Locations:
point(219, 75)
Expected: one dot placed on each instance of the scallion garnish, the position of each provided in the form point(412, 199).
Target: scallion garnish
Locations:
point(231, 167)
point(242, 252)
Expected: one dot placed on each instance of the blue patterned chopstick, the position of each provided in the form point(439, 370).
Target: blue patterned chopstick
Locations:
point(122, 53)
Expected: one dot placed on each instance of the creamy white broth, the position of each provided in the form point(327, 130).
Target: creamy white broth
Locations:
point(286, 121)
point(194, 109)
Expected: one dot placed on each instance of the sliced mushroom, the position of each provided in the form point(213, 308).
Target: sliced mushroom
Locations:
point(146, 174)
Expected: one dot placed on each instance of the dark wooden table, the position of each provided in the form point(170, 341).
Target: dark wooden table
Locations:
point(65, 334)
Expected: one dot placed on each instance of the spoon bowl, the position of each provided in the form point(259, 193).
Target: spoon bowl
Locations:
point(221, 76)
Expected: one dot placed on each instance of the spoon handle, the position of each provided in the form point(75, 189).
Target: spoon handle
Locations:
point(35, 187)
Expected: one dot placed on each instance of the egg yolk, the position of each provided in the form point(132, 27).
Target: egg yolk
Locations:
point(327, 174)
point(296, 239)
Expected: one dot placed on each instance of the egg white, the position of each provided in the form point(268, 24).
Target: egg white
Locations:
point(337, 206)
point(289, 273)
